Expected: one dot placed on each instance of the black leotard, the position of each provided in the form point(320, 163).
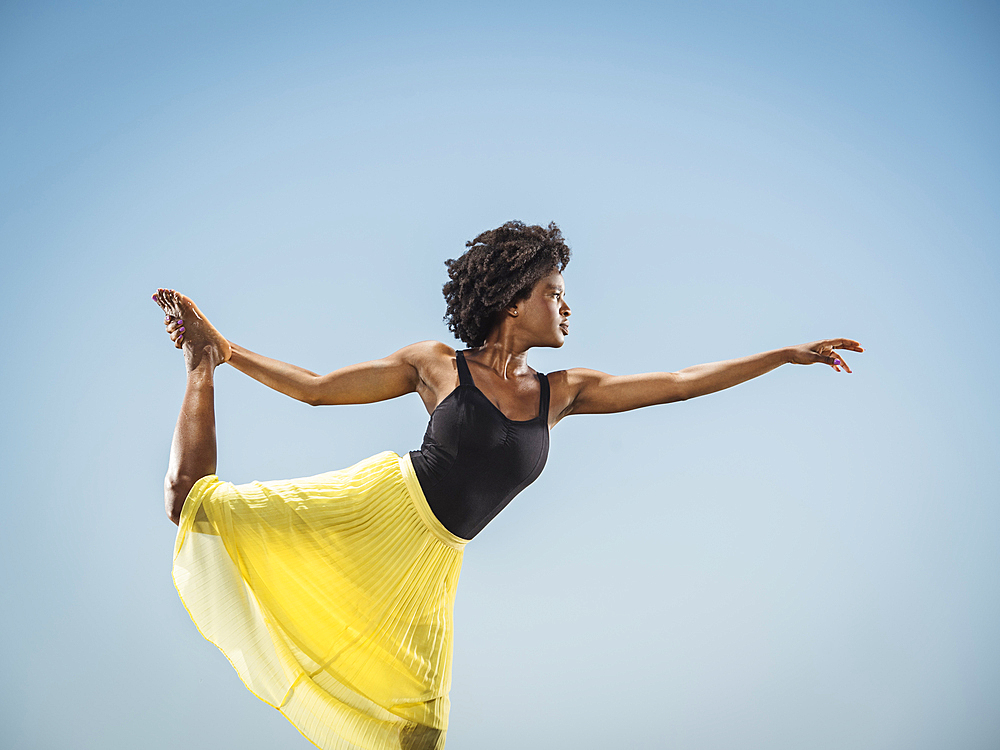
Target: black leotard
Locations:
point(474, 460)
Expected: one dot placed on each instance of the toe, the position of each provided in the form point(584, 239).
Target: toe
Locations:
point(184, 304)
point(171, 298)
point(167, 302)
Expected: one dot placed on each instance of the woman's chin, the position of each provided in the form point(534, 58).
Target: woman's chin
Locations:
point(553, 342)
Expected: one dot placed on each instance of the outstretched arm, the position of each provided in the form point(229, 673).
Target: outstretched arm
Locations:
point(426, 367)
point(419, 367)
point(593, 392)
point(364, 383)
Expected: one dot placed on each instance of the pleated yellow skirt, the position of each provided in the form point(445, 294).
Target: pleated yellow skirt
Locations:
point(332, 596)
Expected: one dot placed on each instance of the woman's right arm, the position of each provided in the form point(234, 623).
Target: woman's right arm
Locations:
point(396, 375)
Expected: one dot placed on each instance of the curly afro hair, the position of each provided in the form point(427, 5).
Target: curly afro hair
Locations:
point(500, 268)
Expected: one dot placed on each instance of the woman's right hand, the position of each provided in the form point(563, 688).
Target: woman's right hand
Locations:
point(186, 323)
point(175, 328)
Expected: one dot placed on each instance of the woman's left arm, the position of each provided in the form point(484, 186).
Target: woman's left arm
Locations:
point(593, 392)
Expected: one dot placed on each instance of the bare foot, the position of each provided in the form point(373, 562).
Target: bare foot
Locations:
point(190, 330)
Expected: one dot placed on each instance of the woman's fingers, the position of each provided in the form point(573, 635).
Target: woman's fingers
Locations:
point(838, 362)
point(847, 344)
point(175, 329)
point(173, 324)
point(825, 353)
point(830, 344)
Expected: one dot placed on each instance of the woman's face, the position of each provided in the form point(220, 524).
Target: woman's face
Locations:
point(544, 316)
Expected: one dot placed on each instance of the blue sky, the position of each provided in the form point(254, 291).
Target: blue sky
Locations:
point(807, 560)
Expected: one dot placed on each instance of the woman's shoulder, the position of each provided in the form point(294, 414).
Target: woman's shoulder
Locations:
point(434, 365)
point(431, 359)
point(427, 350)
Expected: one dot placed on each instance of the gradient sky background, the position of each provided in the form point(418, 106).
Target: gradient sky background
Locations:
point(809, 560)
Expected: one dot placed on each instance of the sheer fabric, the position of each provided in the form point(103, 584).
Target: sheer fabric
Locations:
point(332, 596)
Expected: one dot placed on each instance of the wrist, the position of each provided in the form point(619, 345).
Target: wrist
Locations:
point(236, 353)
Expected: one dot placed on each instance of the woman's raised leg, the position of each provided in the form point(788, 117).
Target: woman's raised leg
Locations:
point(193, 451)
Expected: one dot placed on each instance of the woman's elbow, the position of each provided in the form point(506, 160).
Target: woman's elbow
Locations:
point(676, 387)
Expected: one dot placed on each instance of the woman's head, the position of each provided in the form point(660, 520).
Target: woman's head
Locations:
point(499, 269)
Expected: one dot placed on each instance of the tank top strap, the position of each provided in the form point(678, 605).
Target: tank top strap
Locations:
point(543, 400)
point(464, 376)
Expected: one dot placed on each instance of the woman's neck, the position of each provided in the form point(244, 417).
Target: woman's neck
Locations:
point(502, 355)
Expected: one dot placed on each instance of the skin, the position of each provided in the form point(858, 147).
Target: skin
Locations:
point(499, 368)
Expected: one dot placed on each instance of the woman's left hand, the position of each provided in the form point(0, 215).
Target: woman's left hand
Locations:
point(823, 352)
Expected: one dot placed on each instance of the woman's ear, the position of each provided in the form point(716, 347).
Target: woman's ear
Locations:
point(512, 311)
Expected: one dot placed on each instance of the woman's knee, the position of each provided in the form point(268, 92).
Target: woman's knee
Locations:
point(175, 492)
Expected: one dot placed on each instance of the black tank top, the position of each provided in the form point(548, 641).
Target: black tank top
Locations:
point(474, 460)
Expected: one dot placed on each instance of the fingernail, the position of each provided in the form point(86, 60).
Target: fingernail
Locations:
point(836, 361)
point(180, 322)
point(182, 331)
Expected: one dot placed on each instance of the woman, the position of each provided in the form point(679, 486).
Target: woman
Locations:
point(332, 596)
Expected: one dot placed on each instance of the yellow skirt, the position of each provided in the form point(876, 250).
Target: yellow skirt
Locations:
point(333, 598)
